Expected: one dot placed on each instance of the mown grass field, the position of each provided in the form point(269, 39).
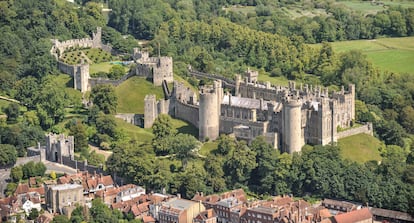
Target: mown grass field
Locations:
point(93, 55)
point(387, 54)
point(360, 148)
point(100, 67)
point(366, 7)
point(132, 92)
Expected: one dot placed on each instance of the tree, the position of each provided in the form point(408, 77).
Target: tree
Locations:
point(239, 165)
point(53, 175)
point(78, 131)
point(60, 219)
point(100, 213)
point(163, 127)
point(407, 118)
point(163, 130)
point(12, 111)
point(226, 144)
point(116, 71)
point(105, 124)
point(184, 146)
point(34, 213)
point(16, 173)
point(104, 97)
point(8, 154)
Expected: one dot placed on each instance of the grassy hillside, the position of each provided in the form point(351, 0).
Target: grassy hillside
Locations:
point(134, 132)
point(387, 54)
point(132, 92)
point(360, 148)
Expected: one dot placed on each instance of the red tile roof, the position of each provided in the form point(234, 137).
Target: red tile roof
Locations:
point(40, 190)
point(353, 216)
point(148, 219)
point(21, 189)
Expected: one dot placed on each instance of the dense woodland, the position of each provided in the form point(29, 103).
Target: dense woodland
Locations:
point(202, 34)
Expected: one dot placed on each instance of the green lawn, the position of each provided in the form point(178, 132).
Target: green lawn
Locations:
point(131, 94)
point(360, 148)
point(184, 127)
point(134, 132)
point(387, 54)
point(208, 147)
point(100, 67)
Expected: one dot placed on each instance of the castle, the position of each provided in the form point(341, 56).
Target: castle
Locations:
point(157, 69)
point(288, 117)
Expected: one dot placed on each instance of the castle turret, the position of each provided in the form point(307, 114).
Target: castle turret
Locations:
point(351, 89)
point(292, 129)
point(150, 110)
point(209, 111)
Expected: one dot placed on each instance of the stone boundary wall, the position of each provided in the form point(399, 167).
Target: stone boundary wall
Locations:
point(366, 128)
point(67, 68)
point(226, 81)
point(187, 112)
point(82, 166)
point(135, 119)
point(96, 81)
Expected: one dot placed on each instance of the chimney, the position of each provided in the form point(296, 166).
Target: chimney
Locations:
point(202, 194)
point(179, 196)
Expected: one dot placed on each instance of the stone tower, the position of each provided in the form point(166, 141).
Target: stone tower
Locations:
point(58, 146)
point(150, 110)
point(209, 111)
point(292, 125)
point(97, 38)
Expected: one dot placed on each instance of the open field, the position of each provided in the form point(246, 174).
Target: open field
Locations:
point(366, 7)
point(360, 148)
point(387, 54)
point(132, 92)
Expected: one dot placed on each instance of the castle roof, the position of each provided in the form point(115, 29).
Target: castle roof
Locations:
point(249, 103)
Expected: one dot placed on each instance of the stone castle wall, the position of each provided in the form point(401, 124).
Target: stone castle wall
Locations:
point(134, 119)
point(81, 165)
point(187, 112)
point(367, 129)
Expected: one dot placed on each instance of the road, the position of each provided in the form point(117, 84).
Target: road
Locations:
point(50, 166)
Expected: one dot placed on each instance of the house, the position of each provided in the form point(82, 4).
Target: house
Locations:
point(391, 216)
point(62, 195)
point(179, 210)
point(129, 192)
point(363, 215)
point(31, 200)
point(91, 182)
point(46, 217)
point(336, 205)
point(207, 216)
point(228, 206)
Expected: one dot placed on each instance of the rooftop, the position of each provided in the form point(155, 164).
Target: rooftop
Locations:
point(181, 204)
point(66, 186)
point(353, 216)
point(244, 102)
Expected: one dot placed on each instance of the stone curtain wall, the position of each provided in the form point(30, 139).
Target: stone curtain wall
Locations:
point(96, 81)
point(82, 166)
point(367, 129)
point(135, 119)
point(187, 112)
